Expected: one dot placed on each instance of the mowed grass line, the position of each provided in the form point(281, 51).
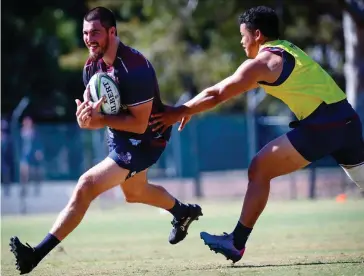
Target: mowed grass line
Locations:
point(291, 238)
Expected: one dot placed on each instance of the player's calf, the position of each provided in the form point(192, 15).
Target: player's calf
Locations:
point(69, 218)
point(102, 177)
point(138, 190)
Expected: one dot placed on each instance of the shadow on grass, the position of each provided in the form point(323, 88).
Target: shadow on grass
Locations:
point(241, 266)
point(297, 264)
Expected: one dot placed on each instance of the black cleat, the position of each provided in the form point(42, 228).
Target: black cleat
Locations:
point(180, 227)
point(25, 256)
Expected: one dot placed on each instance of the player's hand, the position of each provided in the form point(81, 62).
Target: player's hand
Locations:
point(83, 113)
point(161, 121)
point(96, 115)
point(87, 94)
point(183, 123)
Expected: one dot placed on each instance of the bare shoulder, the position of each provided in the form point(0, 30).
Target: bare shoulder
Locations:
point(271, 63)
point(255, 67)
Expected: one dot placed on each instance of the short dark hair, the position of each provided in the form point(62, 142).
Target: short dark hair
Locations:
point(104, 15)
point(261, 18)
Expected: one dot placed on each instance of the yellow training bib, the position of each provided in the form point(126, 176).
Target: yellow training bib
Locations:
point(303, 84)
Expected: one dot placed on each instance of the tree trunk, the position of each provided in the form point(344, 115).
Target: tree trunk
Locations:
point(354, 64)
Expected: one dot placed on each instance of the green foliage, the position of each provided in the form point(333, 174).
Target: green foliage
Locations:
point(201, 38)
point(195, 38)
point(35, 38)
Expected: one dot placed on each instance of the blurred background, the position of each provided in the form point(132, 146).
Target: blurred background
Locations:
point(192, 44)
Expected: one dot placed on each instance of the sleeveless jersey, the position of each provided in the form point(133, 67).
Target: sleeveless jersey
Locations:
point(303, 84)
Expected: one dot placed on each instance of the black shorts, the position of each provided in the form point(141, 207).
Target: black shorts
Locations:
point(135, 155)
point(333, 129)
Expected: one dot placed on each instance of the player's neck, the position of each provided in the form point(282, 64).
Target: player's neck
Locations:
point(110, 55)
point(268, 40)
point(265, 42)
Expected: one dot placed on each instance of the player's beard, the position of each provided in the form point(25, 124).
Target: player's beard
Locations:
point(94, 56)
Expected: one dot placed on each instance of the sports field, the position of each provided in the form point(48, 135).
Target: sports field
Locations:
point(291, 238)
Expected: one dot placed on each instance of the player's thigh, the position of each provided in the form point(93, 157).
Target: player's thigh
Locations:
point(103, 176)
point(278, 157)
point(135, 184)
point(351, 151)
point(351, 155)
point(140, 159)
point(351, 159)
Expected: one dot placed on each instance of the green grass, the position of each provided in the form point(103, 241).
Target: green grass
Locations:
point(291, 238)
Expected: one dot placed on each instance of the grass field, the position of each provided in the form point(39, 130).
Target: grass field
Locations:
point(291, 238)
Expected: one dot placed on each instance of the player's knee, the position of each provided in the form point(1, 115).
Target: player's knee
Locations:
point(130, 199)
point(257, 172)
point(134, 195)
point(356, 174)
point(84, 190)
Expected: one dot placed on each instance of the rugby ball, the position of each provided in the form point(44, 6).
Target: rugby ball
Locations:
point(102, 85)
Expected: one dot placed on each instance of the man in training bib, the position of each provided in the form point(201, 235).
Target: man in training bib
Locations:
point(326, 123)
point(133, 146)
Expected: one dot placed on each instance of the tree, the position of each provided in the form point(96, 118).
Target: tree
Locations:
point(35, 36)
point(194, 38)
point(353, 23)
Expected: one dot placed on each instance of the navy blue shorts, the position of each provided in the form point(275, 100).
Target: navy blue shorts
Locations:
point(333, 129)
point(135, 155)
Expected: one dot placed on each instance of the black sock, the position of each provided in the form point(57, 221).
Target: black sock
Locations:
point(179, 210)
point(241, 234)
point(46, 246)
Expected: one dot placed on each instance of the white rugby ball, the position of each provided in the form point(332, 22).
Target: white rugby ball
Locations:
point(101, 84)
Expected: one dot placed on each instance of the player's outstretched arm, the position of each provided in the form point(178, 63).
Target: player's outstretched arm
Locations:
point(244, 79)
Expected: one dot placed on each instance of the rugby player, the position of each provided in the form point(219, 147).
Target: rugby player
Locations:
point(326, 123)
point(133, 146)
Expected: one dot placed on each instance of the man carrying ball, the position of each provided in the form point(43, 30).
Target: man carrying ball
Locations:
point(133, 146)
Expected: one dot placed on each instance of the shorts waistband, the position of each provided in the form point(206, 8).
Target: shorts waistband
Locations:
point(320, 118)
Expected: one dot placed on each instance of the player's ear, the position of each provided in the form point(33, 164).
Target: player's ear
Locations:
point(258, 35)
point(113, 31)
